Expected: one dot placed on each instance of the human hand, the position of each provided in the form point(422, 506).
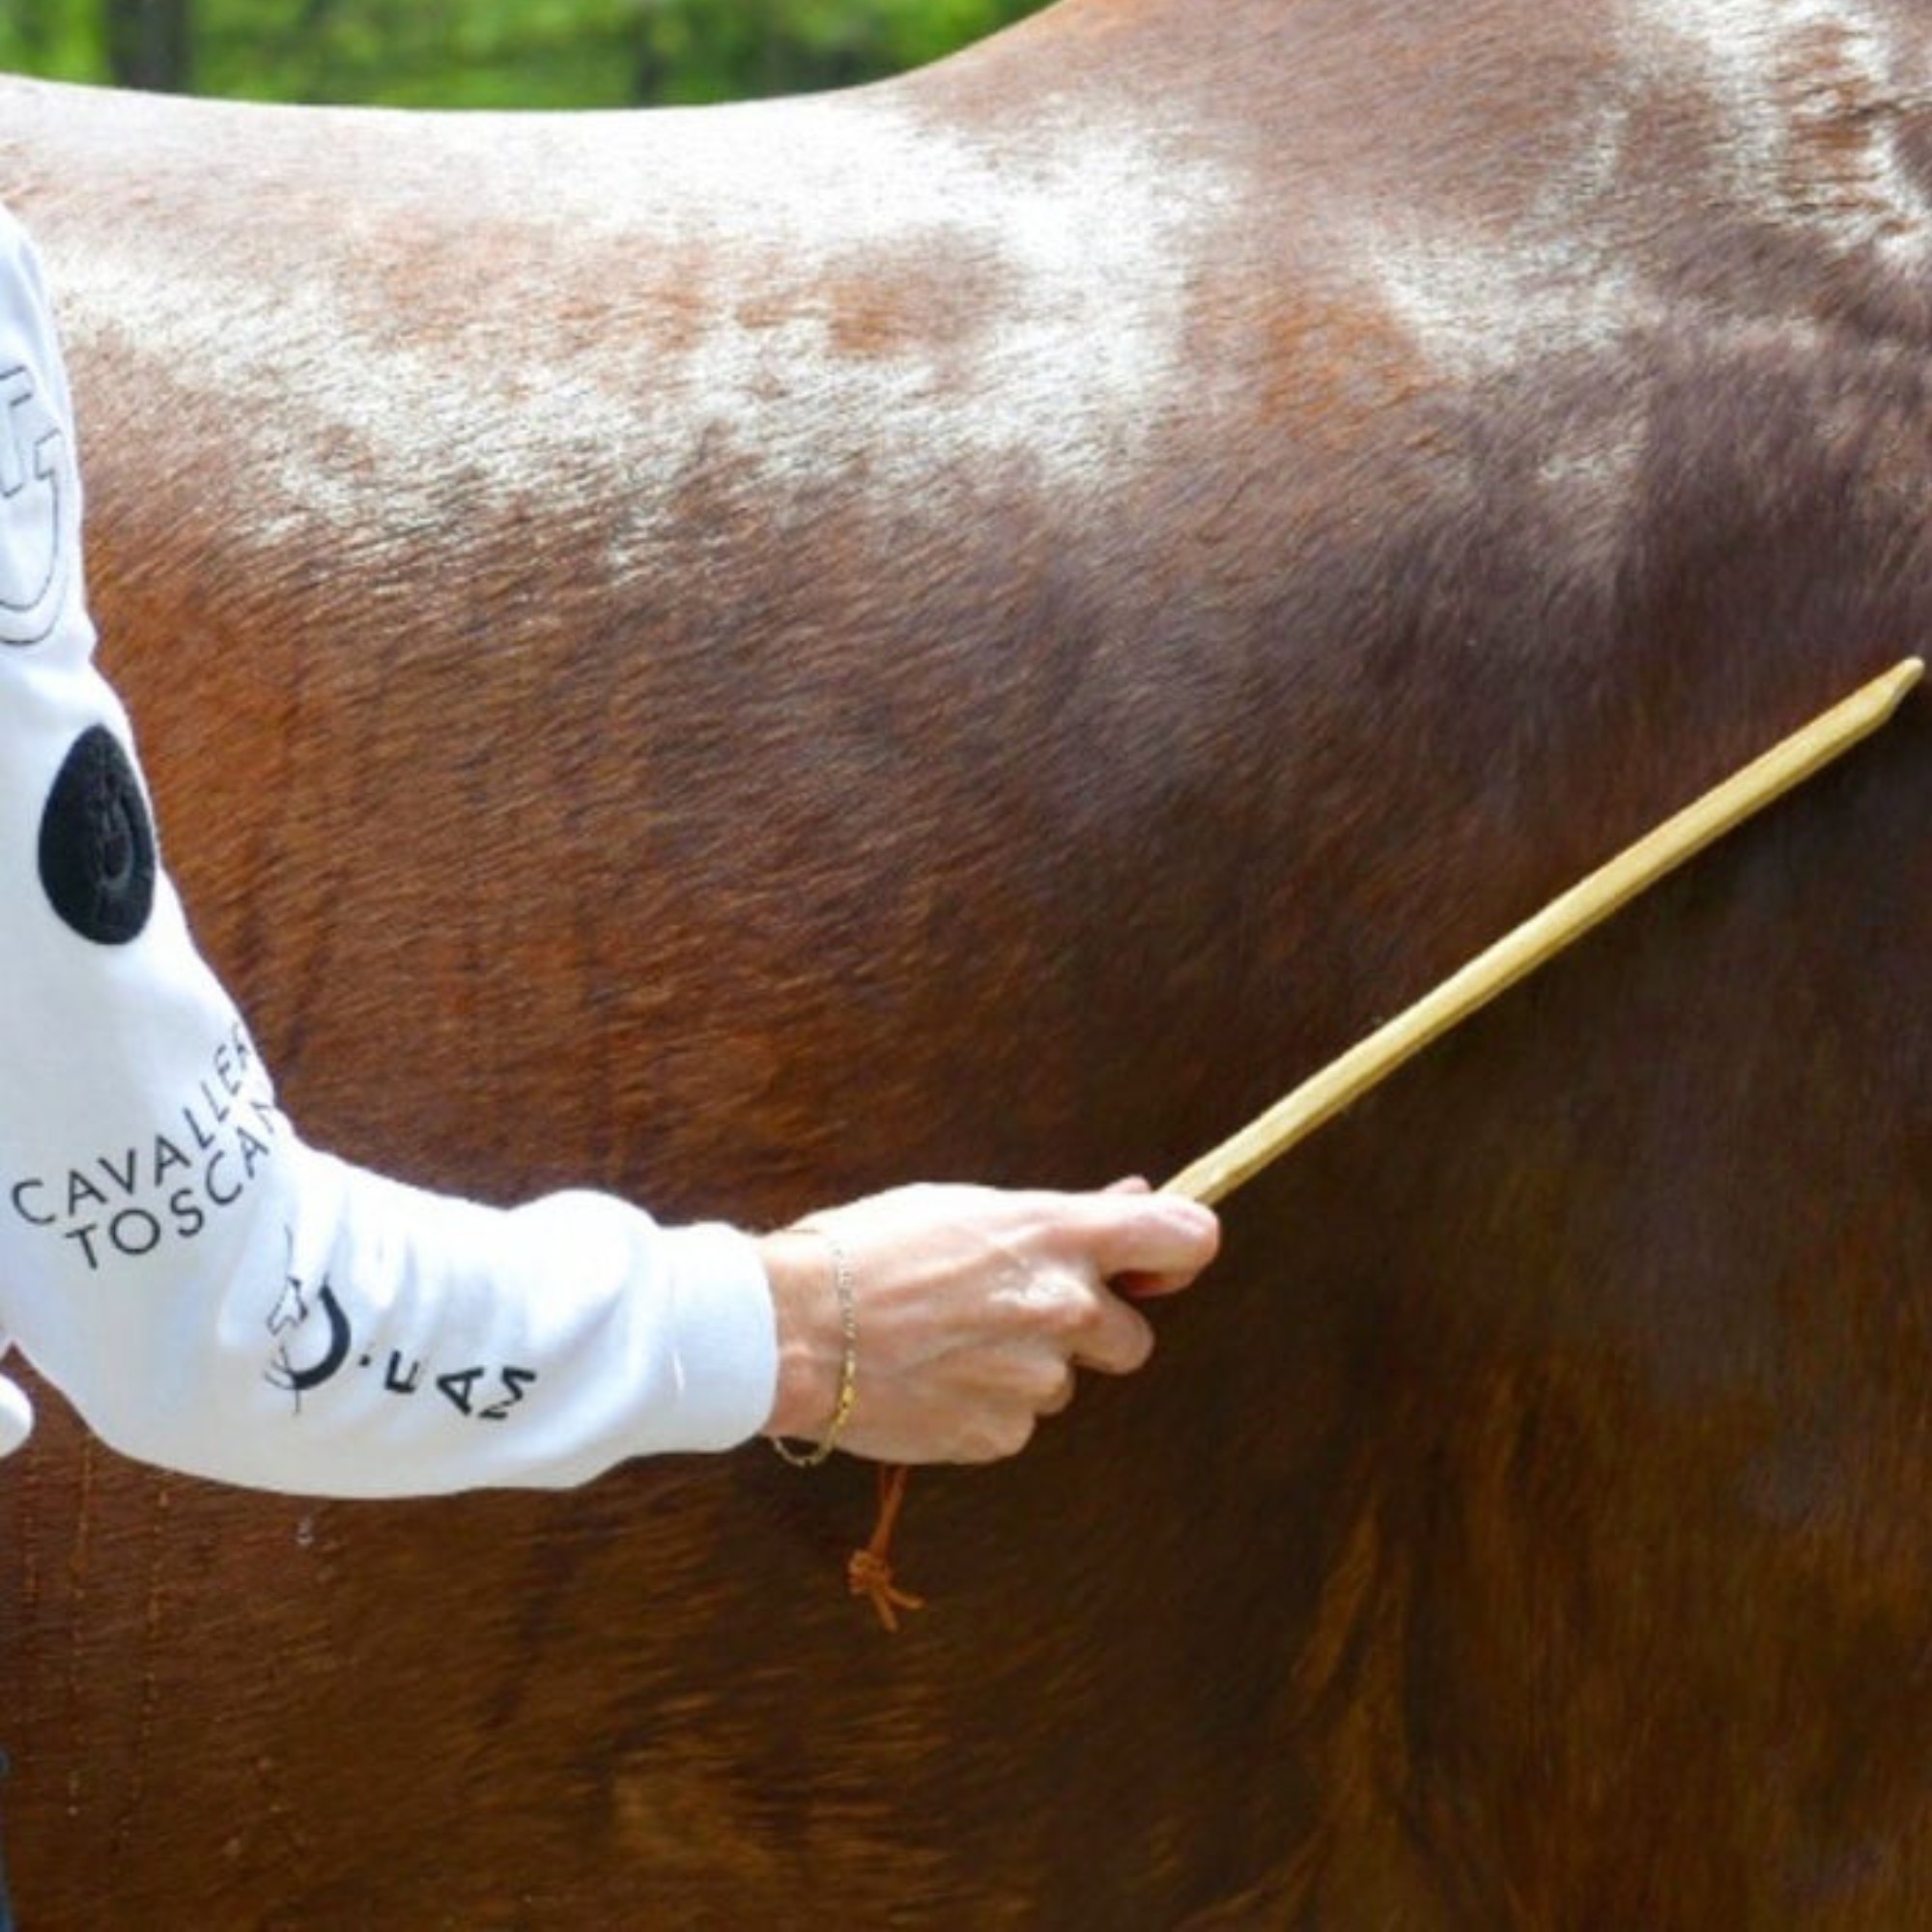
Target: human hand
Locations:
point(974, 1308)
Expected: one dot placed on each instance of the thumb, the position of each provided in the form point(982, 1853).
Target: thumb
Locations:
point(1158, 1241)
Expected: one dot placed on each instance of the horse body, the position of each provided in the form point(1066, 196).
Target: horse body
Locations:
point(983, 626)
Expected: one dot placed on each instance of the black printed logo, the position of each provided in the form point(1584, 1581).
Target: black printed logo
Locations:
point(35, 541)
point(292, 1311)
point(97, 843)
point(478, 1391)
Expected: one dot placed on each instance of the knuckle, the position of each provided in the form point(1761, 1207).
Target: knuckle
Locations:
point(1000, 1435)
point(1068, 1308)
point(1128, 1344)
point(1049, 1385)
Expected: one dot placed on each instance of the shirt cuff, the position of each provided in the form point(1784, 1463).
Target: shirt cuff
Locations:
point(723, 1335)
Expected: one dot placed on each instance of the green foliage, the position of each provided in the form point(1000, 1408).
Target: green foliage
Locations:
point(58, 38)
point(512, 53)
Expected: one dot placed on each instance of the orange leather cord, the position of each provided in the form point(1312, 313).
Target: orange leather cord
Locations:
point(869, 1573)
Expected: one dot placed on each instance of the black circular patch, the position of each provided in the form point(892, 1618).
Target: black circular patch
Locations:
point(97, 843)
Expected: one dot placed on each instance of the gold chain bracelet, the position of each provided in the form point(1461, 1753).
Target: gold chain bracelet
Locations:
point(848, 1364)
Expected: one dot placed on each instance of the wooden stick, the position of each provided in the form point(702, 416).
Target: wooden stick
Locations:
point(1543, 935)
point(1518, 953)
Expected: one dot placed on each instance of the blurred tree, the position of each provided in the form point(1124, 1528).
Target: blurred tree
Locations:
point(147, 44)
point(699, 51)
point(493, 53)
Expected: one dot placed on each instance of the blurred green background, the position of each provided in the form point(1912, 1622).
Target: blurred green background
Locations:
point(488, 53)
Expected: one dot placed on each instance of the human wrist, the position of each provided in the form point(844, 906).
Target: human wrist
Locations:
point(810, 1290)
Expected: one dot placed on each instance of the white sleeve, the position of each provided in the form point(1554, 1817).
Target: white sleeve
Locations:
point(210, 1293)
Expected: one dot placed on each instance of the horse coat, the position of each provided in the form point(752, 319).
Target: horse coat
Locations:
point(983, 626)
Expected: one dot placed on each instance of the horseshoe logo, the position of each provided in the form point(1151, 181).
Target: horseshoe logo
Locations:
point(35, 541)
point(332, 1357)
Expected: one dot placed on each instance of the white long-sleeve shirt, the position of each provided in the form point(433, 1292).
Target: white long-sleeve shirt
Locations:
point(212, 1293)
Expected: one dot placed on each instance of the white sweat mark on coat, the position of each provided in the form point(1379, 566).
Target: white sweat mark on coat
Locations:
point(1811, 105)
point(1475, 302)
point(1070, 266)
point(1807, 134)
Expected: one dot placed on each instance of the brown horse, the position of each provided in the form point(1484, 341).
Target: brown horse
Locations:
point(982, 627)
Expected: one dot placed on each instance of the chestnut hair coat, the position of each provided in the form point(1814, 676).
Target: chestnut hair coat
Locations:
point(982, 627)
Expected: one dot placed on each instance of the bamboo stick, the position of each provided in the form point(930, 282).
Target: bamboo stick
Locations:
point(1543, 935)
